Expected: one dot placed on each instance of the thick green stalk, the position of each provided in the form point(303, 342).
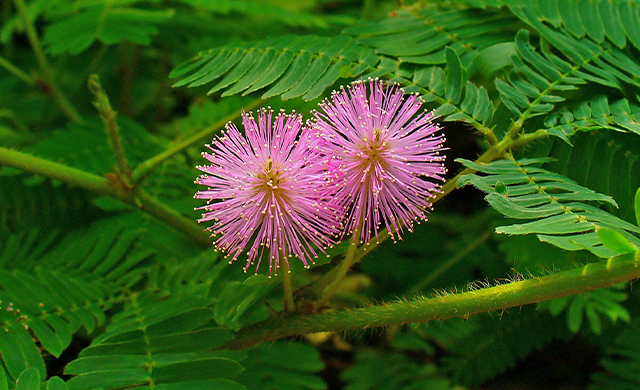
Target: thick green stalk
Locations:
point(100, 185)
point(48, 73)
point(592, 276)
point(53, 170)
point(142, 170)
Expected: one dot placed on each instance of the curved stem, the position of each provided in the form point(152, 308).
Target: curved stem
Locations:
point(592, 276)
point(100, 185)
point(59, 97)
point(453, 260)
point(338, 276)
point(146, 167)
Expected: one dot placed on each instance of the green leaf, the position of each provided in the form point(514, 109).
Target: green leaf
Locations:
point(497, 344)
point(55, 383)
point(312, 75)
point(293, 75)
point(594, 305)
point(575, 313)
point(29, 380)
point(621, 363)
point(109, 23)
point(297, 366)
point(571, 17)
point(636, 203)
point(615, 241)
point(453, 90)
point(494, 58)
point(197, 369)
point(207, 384)
point(292, 66)
point(173, 335)
point(4, 385)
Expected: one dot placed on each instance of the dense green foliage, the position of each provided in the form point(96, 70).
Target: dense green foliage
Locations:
point(107, 282)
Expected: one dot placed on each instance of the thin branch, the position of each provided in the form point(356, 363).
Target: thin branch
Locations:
point(590, 277)
point(146, 167)
point(108, 116)
point(453, 260)
point(102, 186)
point(338, 276)
point(289, 304)
point(22, 75)
point(59, 97)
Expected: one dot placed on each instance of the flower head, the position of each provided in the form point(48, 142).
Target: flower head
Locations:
point(387, 151)
point(267, 187)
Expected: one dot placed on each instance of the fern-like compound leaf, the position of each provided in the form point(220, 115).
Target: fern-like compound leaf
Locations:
point(422, 37)
point(597, 19)
point(51, 306)
point(390, 370)
point(593, 305)
point(160, 343)
point(539, 81)
point(557, 206)
point(621, 363)
point(604, 161)
point(79, 27)
point(282, 365)
point(293, 66)
point(499, 343)
point(594, 114)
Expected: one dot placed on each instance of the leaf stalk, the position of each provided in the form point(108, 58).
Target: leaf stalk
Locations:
point(58, 96)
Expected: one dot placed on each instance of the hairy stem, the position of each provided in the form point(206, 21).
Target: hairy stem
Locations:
point(60, 98)
point(592, 276)
point(145, 168)
point(108, 116)
point(102, 186)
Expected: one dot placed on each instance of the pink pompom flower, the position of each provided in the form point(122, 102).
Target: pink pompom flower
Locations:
point(266, 191)
point(388, 156)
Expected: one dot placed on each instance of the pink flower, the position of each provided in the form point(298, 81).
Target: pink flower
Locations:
point(387, 151)
point(265, 191)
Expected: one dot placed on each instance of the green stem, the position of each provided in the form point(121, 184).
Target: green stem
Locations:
point(59, 97)
point(524, 139)
point(338, 277)
point(17, 71)
point(108, 116)
point(145, 168)
point(171, 217)
point(592, 276)
point(289, 304)
point(453, 260)
point(53, 170)
point(102, 186)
